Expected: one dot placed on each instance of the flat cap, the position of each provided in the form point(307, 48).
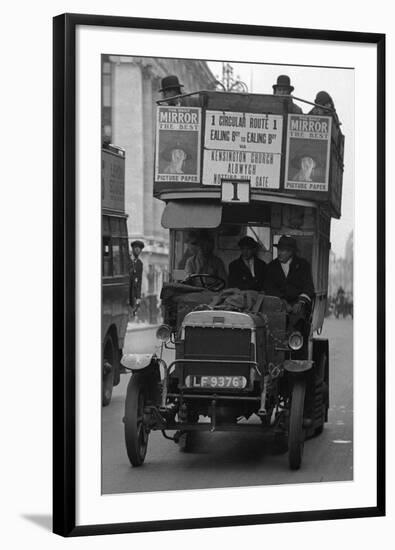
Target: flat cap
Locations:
point(138, 243)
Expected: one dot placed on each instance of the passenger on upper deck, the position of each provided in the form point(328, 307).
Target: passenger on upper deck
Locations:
point(283, 87)
point(323, 99)
point(289, 277)
point(170, 87)
point(204, 261)
point(247, 272)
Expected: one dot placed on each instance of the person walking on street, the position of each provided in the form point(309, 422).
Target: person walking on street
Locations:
point(135, 276)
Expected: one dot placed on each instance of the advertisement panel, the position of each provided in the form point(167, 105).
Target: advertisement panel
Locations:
point(308, 151)
point(113, 181)
point(178, 144)
point(243, 146)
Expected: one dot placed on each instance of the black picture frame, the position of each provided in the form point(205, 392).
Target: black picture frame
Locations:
point(64, 273)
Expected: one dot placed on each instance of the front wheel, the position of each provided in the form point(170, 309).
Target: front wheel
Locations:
point(136, 431)
point(296, 432)
point(321, 398)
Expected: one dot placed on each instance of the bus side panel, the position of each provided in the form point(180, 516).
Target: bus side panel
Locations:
point(115, 307)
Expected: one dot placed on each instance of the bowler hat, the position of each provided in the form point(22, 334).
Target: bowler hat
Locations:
point(247, 242)
point(283, 81)
point(286, 242)
point(140, 244)
point(169, 82)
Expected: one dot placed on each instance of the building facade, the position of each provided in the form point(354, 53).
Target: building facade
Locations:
point(130, 88)
point(341, 269)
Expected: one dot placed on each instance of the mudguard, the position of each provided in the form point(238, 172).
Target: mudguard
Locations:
point(293, 365)
point(136, 361)
point(146, 368)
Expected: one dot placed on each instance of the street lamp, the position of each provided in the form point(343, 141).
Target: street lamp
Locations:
point(228, 83)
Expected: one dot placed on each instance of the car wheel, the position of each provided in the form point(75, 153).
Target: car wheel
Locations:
point(296, 431)
point(136, 430)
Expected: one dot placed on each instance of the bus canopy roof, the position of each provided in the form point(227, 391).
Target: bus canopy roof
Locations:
point(191, 214)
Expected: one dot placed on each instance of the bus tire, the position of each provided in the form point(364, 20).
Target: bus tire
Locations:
point(321, 396)
point(296, 431)
point(109, 366)
point(136, 432)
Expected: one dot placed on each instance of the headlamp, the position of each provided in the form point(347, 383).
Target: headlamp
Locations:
point(163, 333)
point(295, 341)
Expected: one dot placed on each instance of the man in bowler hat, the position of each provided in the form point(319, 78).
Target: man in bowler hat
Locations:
point(289, 277)
point(247, 272)
point(135, 276)
point(170, 88)
point(283, 87)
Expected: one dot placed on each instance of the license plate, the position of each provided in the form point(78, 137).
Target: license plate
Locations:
point(221, 382)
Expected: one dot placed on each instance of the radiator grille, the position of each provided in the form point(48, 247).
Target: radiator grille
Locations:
point(217, 343)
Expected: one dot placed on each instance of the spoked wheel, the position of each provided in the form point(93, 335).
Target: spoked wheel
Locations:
point(136, 431)
point(320, 396)
point(108, 370)
point(296, 432)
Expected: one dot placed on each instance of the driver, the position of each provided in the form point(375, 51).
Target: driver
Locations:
point(205, 261)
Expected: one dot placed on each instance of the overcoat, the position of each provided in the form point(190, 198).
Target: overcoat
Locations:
point(241, 277)
point(298, 282)
point(135, 278)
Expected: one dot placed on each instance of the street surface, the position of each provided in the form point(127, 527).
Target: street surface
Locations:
point(234, 459)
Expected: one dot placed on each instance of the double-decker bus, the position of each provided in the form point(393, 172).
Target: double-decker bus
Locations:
point(235, 167)
point(115, 267)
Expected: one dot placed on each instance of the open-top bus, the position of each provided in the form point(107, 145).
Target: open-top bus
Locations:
point(238, 170)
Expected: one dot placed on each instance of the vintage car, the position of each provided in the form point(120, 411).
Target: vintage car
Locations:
point(240, 361)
